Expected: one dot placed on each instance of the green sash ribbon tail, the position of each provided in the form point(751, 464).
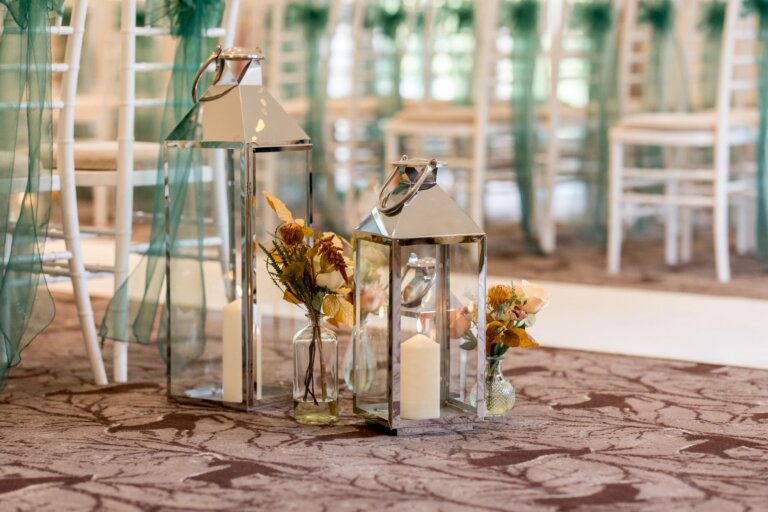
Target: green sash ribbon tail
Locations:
point(522, 18)
point(312, 18)
point(388, 21)
point(26, 163)
point(129, 319)
point(760, 8)
point(596, 19)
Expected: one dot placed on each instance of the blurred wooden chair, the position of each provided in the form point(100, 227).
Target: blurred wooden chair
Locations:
point(732, 124)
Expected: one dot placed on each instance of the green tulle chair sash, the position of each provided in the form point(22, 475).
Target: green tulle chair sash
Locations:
point(128, 319)
point(522, 16)
point(760, 9)
point(26, 161)
point(597, 20)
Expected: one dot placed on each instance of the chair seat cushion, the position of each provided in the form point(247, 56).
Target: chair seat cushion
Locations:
point(101, 155)
point(446, 112)
point(705, 120)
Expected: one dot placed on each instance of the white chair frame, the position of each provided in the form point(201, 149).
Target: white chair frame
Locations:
point(722, 134)
point(126, 177)
point(69, 263)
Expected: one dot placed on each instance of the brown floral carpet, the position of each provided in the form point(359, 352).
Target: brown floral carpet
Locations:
point(590, 432)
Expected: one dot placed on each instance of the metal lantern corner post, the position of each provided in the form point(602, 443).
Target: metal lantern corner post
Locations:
point(232, 143)
point(420, 275)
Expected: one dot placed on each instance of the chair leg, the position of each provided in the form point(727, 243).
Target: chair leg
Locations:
point(390, 147)
point(686, 237)
point(672, 224)
point(123, 225)
point(71, 228)
point(742, 226)
point(720, 224)
point(477, 182)
point(615, 208)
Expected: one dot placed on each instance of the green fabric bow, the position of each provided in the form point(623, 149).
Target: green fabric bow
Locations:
point(385, 19)
point(23, 10)
point(711, 26)
point(522, 16)
point(458, 17)
point(125, 321)
point(26, 158)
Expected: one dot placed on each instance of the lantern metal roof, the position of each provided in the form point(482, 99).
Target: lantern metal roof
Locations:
point(238, 109)
point(428, 215)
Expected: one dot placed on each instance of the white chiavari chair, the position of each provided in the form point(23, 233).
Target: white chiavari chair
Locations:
point(732, 124)
point(126, 163)
point(68, 263)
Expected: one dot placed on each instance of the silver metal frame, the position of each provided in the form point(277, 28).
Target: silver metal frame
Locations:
point(243, 223)
point(394, 422)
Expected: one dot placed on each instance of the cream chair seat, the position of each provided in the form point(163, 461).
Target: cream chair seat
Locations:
point(101, 155)
point(674, 128)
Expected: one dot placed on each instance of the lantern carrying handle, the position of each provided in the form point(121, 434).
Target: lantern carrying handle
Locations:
point(214, 57)
point(413, 189)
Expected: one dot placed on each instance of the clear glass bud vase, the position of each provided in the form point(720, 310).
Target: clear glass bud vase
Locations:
point(499, 392)
point(359, 375)
point(315, 373)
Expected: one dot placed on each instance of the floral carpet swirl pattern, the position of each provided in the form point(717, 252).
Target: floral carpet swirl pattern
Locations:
point(589, 432)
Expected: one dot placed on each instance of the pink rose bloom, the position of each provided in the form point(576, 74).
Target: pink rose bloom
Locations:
point(535, 296)
point(372, 298)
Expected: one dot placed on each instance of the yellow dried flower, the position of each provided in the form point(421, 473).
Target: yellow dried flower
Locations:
point(499, 294)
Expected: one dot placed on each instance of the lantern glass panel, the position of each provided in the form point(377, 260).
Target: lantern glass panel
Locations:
point(371, 382)
point(209, 366)
point(439, 291)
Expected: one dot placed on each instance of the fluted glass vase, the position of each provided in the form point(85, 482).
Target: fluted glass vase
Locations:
point(315, 380)
point(499, 392)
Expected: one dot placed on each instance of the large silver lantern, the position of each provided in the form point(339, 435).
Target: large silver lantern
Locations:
point(419, 342)
point(240, 142)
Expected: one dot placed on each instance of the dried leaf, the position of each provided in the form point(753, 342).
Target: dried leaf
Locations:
point(282, 211)
point(288, 297)
point(346, 313)
point(331, 305)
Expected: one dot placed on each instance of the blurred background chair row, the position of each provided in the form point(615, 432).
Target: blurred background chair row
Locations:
point(522, 98)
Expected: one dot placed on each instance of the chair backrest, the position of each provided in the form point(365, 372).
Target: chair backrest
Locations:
point(162, 64)
point(64, 65)
point(286, 52)
point(447, 51)
point(738, 80)
point(635, 54)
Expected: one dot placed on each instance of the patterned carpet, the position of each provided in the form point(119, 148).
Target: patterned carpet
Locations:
point(590, 432)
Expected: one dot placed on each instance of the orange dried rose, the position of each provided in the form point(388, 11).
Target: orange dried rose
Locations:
point(292, 233)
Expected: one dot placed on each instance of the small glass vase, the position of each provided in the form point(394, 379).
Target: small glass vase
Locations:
point(362, 373)
point(499, 392)
point(315, 374)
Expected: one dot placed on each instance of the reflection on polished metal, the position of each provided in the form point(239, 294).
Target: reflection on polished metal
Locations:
point(429, 257)
point(232, 126)
point(237, 108)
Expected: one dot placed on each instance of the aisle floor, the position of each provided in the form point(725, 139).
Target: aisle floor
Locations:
point(590, 432)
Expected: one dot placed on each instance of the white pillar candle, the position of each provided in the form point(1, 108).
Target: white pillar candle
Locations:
point(419, 378)
point(232, 353)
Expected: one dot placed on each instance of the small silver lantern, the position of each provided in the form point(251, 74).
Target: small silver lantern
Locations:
point(237, 137)
point(419, 343)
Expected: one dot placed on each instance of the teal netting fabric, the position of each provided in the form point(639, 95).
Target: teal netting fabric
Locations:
point(26, 162)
